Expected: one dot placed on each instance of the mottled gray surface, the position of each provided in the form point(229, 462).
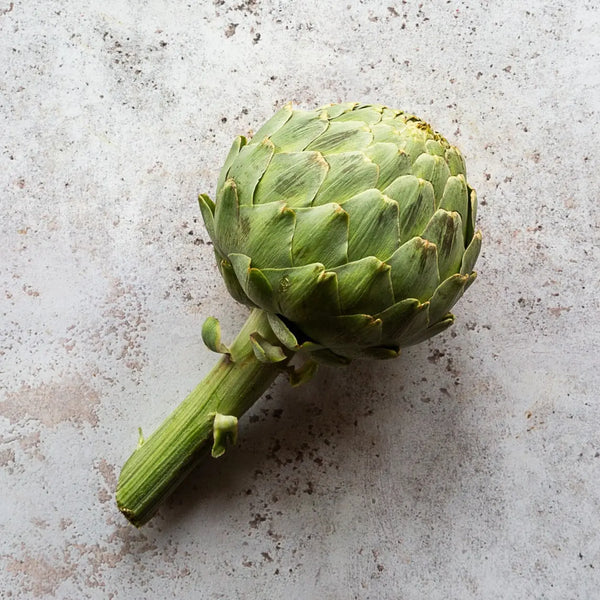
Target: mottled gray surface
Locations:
point(468, 468)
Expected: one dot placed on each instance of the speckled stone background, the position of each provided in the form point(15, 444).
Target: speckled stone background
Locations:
point(468, 468)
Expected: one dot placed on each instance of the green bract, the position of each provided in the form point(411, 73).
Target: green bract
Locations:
point(352, 226)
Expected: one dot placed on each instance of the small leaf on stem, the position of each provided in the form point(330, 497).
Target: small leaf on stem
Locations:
point(225, 429)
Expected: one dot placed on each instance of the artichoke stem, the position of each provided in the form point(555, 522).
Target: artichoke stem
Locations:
point(163, 460)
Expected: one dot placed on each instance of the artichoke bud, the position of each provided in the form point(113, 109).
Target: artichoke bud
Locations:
point(352, 226)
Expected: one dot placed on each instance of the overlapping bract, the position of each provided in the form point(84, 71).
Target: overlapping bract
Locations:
point(352, 225)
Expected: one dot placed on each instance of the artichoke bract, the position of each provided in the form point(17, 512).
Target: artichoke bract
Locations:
point(350, 230)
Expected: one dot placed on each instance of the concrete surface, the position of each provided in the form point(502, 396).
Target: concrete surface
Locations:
point(468, 468)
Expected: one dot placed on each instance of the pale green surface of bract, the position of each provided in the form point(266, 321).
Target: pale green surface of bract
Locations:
point(352, 225)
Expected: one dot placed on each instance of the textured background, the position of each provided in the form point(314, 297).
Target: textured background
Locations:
point(468, 468)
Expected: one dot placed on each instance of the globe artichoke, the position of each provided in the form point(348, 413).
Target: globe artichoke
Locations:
point(350, 230)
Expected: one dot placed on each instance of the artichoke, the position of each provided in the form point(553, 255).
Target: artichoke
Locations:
point(350, 230)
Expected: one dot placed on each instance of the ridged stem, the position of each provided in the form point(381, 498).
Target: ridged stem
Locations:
point(162, 461)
